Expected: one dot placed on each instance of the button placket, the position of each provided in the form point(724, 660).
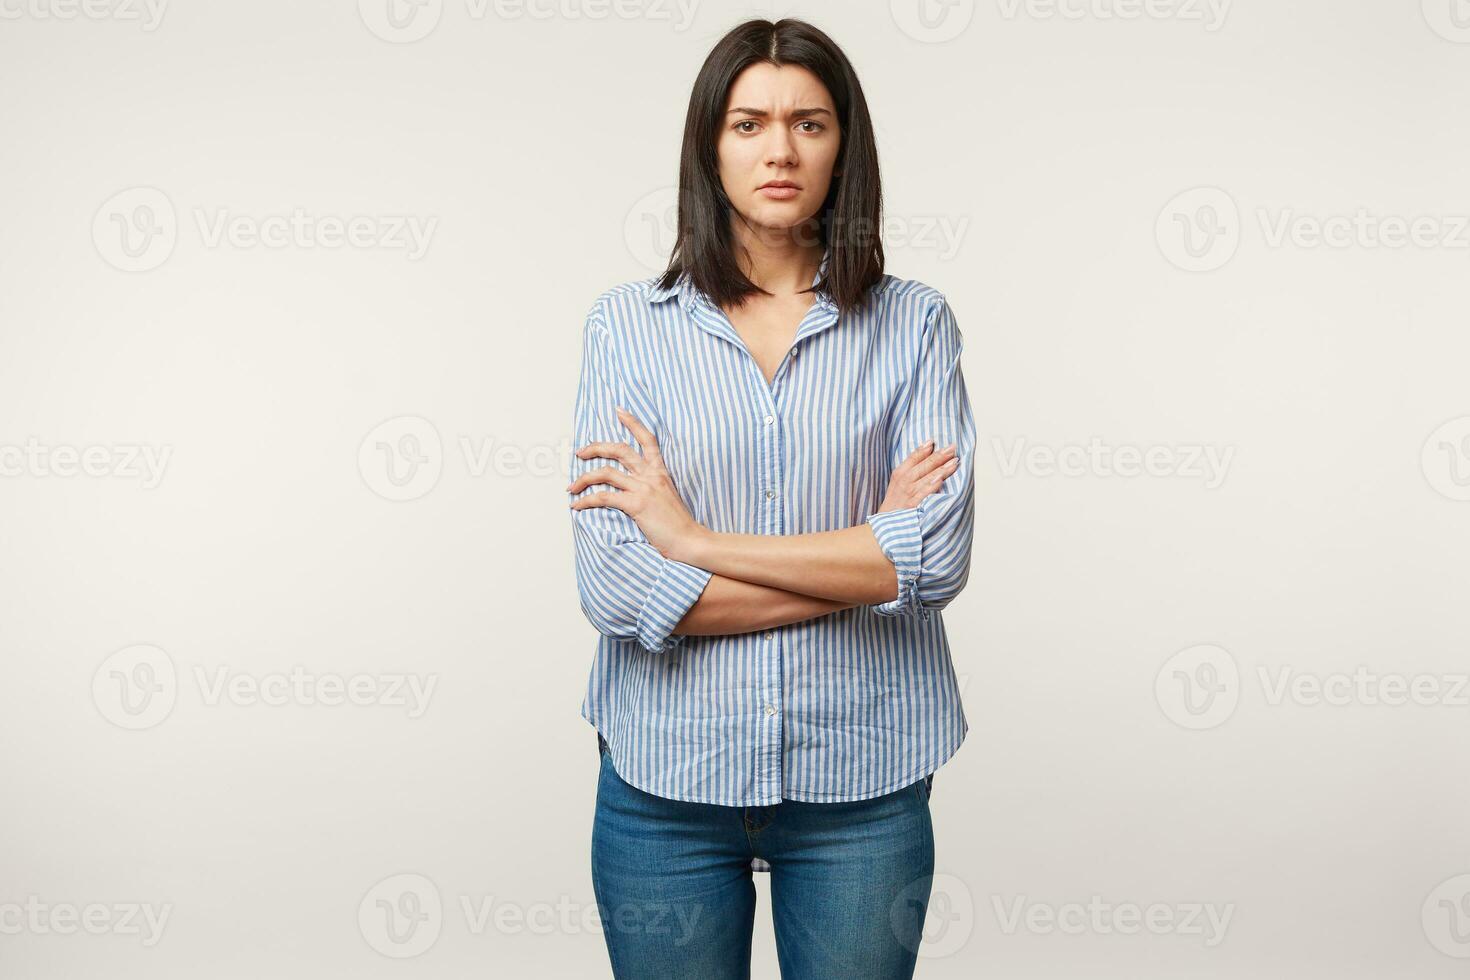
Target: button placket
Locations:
point(770, 516)
point(769, 776)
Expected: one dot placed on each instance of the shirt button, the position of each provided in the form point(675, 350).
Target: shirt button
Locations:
point(770, 709)
point(770, 636)
point(770, 419)
point(770, 495)
point(795, 351)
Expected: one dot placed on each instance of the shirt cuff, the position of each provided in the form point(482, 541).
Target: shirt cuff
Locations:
point(901, 537)
point(677, 587)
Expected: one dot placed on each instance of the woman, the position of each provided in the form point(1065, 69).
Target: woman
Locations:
point(771, 531)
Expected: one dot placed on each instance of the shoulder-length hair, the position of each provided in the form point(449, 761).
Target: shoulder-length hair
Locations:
point(850, 217)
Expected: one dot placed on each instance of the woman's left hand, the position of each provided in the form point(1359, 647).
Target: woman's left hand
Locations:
point(645, 492)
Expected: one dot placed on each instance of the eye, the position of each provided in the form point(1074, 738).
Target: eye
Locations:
point(812, 122)
point(744, 122)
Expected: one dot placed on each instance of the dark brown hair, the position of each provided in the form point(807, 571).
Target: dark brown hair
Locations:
point(851, 216)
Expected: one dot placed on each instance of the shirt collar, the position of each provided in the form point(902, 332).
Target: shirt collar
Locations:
point(684, 288)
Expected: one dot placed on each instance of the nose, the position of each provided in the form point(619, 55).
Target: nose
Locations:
point(781, 149)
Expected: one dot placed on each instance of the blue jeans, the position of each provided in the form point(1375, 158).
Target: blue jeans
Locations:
point(849, 883)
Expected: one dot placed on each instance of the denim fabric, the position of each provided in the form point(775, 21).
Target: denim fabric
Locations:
point(850, 883)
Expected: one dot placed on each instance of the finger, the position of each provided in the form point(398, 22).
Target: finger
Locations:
point(906, 465)
point(607, 498)
point(620, 451)
point(924, 486)
point(923, 449)
point(641, 432)
point(926, 466)
point(944, 472)
point(603, 474)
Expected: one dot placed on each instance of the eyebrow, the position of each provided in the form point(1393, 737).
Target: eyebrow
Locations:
point(745, 110)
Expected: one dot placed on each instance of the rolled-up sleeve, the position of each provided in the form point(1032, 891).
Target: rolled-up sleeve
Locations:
point(628, 590)
point(929, 544)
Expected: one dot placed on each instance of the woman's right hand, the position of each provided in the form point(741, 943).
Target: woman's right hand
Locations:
point(921, 474)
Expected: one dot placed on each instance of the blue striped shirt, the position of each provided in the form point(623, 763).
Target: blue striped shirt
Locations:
point(846, 706)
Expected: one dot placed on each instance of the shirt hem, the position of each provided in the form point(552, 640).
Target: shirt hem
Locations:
point(799, 796)
point(939, 759)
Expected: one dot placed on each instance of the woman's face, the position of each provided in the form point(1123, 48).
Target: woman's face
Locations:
point(780, 125)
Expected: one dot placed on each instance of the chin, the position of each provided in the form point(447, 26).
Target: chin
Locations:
point(779, 214)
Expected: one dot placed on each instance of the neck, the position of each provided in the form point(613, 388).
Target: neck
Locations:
point(778, 261)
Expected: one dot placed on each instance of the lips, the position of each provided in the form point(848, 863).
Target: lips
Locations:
point(779, 190)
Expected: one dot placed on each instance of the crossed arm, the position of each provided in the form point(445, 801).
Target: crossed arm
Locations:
point(756, 581)
point(647, 570)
